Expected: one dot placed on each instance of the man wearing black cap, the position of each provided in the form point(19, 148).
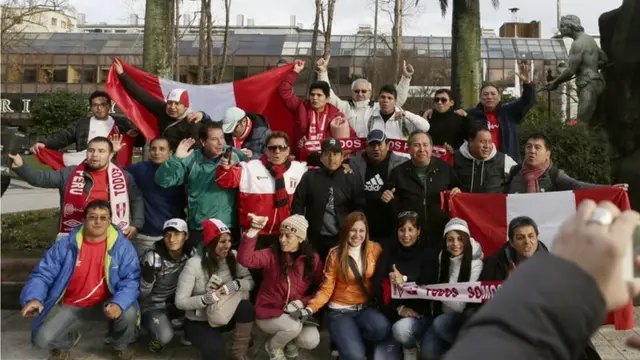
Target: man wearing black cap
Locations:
point(373, 166)
point(325, 196)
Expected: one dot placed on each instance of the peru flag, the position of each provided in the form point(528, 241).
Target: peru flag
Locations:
point(258, 93)
point(488, 216)
point(57, 160)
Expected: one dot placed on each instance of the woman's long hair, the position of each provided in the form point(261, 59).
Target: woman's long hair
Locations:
point(343, 243)
point(305, 250)
point(465, 266)
point(210, 263)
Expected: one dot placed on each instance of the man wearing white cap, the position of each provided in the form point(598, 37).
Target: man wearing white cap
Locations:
point(246, 131)
point(176, 120)
point(160, 268)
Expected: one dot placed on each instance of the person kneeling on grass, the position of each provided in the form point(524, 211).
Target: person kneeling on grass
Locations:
point(291, 267)
point(161, 267)
point(213, 289)
point(91, 273)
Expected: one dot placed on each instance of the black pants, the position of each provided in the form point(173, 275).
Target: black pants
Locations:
point(263, 242)
point(209, 340)
point(196, 238)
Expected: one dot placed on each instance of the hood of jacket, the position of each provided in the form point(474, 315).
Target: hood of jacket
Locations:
point(466, 152)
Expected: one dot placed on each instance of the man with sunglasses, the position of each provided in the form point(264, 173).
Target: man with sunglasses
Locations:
point(360, 108)
point(100, 123)
point(448, 128)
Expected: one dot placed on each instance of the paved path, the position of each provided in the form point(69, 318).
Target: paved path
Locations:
point(16, 345)
point(23, 197)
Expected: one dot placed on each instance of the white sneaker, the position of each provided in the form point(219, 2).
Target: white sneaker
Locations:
point(291, 351)
point(184, 341)
point(275, 354)
point(410, 354)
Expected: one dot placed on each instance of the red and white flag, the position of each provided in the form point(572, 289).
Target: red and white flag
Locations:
point(57, 160)
point(258, 93)
point(488, 216)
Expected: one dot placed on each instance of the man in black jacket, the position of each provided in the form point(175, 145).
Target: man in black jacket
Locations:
point(86, 128)
point(325, 196)
point(175, 120)
point(416, 185)
point(448, 129)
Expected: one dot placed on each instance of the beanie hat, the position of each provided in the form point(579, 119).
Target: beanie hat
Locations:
point(180, 96)
point(212, 228)
point(456, 224)
point(295, 224)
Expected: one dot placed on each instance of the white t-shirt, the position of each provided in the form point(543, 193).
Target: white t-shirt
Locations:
point(100, 127)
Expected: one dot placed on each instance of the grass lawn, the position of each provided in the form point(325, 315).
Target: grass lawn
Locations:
point(29, 233)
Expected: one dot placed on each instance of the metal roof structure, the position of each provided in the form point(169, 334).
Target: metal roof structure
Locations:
point(286, 45)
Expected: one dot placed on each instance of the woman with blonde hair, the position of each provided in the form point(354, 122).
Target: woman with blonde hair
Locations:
point(347, 289)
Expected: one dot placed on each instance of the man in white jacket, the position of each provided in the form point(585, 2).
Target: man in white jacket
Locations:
point(360, 109)
point(396, 123)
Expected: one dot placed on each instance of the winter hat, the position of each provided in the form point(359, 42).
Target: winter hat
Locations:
point(212, 228)
point(180, 96)
point(231, 118)
point(296, 224)
point(456, 224)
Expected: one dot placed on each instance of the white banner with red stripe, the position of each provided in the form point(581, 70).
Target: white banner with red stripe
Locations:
point(468, 292)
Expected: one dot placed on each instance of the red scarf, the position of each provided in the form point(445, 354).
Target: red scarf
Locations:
point(238, 141)
point(281, 197)
point(532, 174)
point(75, 199)
point(317, 129)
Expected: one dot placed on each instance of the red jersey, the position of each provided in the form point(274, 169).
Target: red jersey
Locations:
point(494, 128)
point(100, 189)
point(88, 284)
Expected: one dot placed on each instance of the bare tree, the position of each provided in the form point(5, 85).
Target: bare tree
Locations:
point(375, 39)
point(331, 4)
point(399, 12)
point(18, 16)
point(202, 41)
point(314, 38)
point(398, 8)
point(177, 37)
point(210, 65)
point(225, 42)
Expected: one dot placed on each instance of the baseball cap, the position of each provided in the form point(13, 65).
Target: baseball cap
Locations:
point(231, 118)
point(376, 135)
point(180, 96)
point(177, 224)
point(331, 145)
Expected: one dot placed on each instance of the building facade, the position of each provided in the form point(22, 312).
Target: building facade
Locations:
point(80, 62)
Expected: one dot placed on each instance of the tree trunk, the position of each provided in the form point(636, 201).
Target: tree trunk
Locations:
point(314, 39)
point(372, 77)
point(176, 62)
point(211, 74)
point(225, 43)
point(465, 52)
point(158, 39)
point(327, 35)
point(397, 36)
point(202, 36)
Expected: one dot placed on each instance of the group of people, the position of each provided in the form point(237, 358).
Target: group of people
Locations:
point(225, 227)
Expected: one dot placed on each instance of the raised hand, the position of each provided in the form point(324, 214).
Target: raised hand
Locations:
point(388, 195)
point(298, 66)
point(524, 72)
point(322, 64)
point(258, 222)
point(116, 141)
point(407, 69)
point(118, 66)
point(396, 276)
point(184, 148)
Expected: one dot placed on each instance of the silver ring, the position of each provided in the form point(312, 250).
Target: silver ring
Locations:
point(601, 216)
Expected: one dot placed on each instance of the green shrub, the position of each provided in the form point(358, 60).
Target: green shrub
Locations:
point(55, 110)
point(582, 153)
point(29, 233)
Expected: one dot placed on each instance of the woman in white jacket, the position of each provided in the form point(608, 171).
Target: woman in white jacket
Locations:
point(460, 261)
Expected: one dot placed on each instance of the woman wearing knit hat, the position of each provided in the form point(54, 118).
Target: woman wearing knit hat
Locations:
point(213, 289)
point(460, 261)
point(406, 259)
point(290, 268)
point(347, 290)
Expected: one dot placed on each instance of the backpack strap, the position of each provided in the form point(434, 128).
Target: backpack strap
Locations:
point(356, 273)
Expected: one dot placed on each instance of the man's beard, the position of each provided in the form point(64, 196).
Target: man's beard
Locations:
point(90, 167)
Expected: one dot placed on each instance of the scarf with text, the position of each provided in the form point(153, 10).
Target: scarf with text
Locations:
point(75, 199)
point(317, 128)
point(281, 197)
point(532, 174)
point(238, 141)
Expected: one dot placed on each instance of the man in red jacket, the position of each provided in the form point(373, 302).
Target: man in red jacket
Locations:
point(315, 118)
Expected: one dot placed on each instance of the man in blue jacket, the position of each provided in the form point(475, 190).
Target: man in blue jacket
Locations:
point(160, 203)
point(92, 273)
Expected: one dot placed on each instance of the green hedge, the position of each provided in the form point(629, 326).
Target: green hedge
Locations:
point(582, 153)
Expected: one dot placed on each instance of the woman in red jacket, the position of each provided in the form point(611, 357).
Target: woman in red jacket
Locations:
point(290, 267)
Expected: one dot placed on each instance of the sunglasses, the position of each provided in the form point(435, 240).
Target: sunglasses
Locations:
point(411, 214)
point(358, 91)
point(277, 147)
point(440, 100)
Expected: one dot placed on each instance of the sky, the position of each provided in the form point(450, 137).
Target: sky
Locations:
point(424, 20)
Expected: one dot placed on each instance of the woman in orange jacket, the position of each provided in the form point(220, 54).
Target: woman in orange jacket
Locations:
point(352, 316)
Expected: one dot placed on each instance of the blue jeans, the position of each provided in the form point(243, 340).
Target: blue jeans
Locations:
point(350, 329)
point(440, 336)
point(406, 333)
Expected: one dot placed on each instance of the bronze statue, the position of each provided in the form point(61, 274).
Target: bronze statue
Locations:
point(585, 60)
